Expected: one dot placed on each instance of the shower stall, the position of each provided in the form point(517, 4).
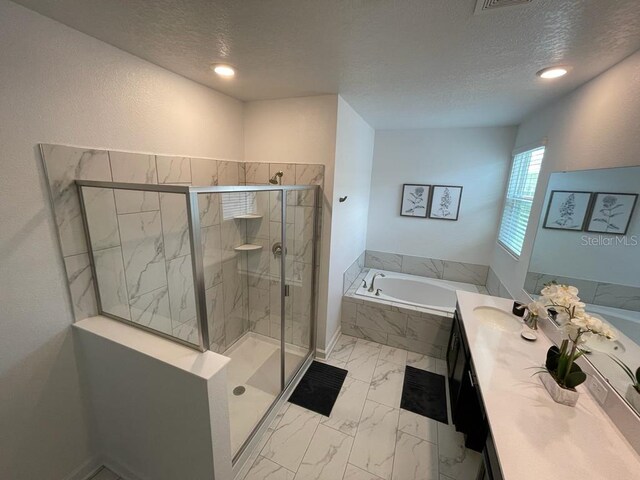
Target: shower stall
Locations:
point(231, 269)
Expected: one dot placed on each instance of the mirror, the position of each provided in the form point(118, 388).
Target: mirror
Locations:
point(589, 237)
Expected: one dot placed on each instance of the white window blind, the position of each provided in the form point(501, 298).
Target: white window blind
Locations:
point(520, 192)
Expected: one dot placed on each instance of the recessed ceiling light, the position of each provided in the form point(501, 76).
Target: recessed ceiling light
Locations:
point(224, 70)
point(552, 72)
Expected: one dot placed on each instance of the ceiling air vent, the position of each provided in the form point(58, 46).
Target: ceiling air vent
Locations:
point(484, 5)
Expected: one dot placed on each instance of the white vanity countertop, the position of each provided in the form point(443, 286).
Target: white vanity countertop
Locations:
point(535, 437)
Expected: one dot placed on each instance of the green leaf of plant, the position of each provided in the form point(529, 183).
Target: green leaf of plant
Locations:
point(575, 378)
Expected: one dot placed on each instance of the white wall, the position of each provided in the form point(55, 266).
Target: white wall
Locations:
point(476, 158)
point(298, 130)
point(353, 164)
point(595, 126)
point(60, 86)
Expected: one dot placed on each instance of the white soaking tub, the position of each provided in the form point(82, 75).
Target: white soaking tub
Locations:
point(430, 293)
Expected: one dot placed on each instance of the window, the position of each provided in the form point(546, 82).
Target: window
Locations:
point(517, 204)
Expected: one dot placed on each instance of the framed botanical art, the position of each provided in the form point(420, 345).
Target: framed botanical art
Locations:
point(445, 202)
point(415, 200)
point(611, 212)
point(567, 210)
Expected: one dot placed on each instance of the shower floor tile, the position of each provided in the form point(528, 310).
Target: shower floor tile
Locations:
point(255, 365)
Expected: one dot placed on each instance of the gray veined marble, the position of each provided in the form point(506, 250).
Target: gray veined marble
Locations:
point(187, 331)
point(209, 208)
point(431, 329)
point(257, 173)
point(455, 460)
point(204, 172)
point(382, 320)
point(173, 169)
point(234, 311)
point(102, 221)
point(365, 333)
point(288, 443)
point(308, 175)
point(415, 459)
point(362, 361)
point(301, 286)
point(345, 415)
point(152, 310)
point(134, 168)
point(64, 165)
point(343, 348)
point(175, 228)
point(211, 255)
point(391, 262)
point(386, 384)
point(465, 272)
point(424, 267)
point(265, 469)
point(301, 331)
point(374, 444)
point(228, 173)
point(354, 473)
point(143, 251)
point(181, 293)
point(289, 170)
point(259, 310)
point(111, 282)
point(80, 279)
point(303, 234)
point(327, 455)
point(618, 296)
point(216, 318)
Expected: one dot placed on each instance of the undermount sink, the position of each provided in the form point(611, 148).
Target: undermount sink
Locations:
point(596, 343)
point(498, 319)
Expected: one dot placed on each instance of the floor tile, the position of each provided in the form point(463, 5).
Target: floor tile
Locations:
point(393, 355)
point(343, 348)
point(105, 474)
point(423, 362)
point(418, 426)
point(265, 469)
point(374, 445)
point(362, 361)
point(354, 473)
point(454, 459)
point(348, 407)
point(327, 455)
point(331, 361)
point(415, 459)
point(386, 384)
point(291, 438)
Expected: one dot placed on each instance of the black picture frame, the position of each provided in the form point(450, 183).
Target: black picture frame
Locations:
point(405, 210)
point(594, 211)
point(577, 226)
point(442, 215)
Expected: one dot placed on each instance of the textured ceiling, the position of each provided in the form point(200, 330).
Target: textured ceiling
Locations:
point(399, 63)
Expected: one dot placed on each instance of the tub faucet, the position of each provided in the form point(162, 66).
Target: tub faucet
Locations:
point(371, 287)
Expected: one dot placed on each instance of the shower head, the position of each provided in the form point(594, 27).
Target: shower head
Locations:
point(277, 178)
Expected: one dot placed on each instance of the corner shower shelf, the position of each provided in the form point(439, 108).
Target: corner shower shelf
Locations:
point(248, 216)
point(247, 247)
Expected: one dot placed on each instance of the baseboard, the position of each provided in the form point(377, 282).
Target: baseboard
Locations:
point(324, 354)
point(89, 468)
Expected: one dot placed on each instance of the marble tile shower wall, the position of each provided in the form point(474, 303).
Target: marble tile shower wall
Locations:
point(495, 287)
point(427, 267)
point(264, 266)
point(141, 242)
point(596, 293)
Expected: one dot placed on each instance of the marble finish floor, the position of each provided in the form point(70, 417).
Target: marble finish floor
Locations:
point(255, 365)
point(367, 436)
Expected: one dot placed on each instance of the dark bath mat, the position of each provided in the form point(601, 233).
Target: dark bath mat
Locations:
point(425, 393)
point(319, 388)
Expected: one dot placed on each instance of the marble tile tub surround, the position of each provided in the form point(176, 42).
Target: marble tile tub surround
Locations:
point(427, 267)
point(495, 287)
point(410, 328)
point(353, 272)
point(165, 248)
point(596, 293)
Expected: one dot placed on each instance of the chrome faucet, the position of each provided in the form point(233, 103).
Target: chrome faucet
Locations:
point(371, 287)
point(531, 320)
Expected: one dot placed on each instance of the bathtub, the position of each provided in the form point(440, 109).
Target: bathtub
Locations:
point(429, 293)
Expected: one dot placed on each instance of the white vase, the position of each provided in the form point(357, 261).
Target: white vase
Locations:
point(633, 397)
point(560, 395)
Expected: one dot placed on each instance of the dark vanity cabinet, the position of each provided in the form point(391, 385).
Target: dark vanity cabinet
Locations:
point(467, 411)
point(466, 403)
